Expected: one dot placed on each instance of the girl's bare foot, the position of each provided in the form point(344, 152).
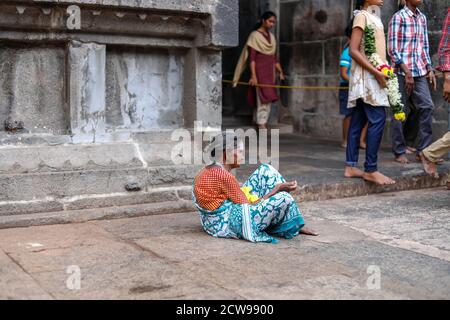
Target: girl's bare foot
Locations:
point(378, 178)
point(428, 166)
point(353, 172)
point(308, 232)
point(402, 159)
point(410, 150)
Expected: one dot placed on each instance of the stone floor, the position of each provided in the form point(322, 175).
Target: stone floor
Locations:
point(313, 162)
point(384, 246)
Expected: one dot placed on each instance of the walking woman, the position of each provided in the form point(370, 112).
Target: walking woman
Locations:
point(261, 49)
point(227, 212)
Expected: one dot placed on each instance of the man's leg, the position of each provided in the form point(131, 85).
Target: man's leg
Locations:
point(438, 149)
point(357, 123)
point(411, 127)
point(431, 155)
point(377, 119)
point(421, 98)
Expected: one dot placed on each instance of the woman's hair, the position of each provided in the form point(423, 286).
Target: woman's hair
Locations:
point(266, 16)
point(223, 142)
point(359, 4)
point(348, 30)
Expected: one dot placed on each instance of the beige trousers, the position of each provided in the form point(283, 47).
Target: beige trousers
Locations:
point(438, 149)
point(263, 111)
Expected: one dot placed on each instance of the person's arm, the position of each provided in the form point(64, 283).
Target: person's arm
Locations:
point(344, 73)
point(279, 70)
point(444, 56)
point(358, 57)
point(447, 86)
point(253, 80)
point(394, 32)
point(233, 191)
point(426, 56)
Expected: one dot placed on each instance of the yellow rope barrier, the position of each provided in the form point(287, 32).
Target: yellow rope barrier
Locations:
point(438, 74)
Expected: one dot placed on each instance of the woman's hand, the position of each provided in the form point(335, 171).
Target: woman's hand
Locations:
point(287, 186)
point(282, 77)
point(253, 81)
point(382, 79)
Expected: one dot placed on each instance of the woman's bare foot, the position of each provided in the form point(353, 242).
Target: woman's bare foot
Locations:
point(378, 178)
point(353, 172)
point(428, 166)
point(410, 150)
point(402, 159)
point(308, 232)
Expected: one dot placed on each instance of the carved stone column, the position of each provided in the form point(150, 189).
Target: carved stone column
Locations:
point(87, 62)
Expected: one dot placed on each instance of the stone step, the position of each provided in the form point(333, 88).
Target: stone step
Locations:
point(61, 184)
point(358, 187)
point(173, 200)
point(78, 216)
point(90, 201)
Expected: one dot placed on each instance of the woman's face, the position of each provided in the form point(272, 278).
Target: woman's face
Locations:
point(269, 23)
point(237, 156)
point(378, 3)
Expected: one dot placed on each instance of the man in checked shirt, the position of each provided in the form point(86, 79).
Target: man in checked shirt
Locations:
point(408, 48)
point(430, 155)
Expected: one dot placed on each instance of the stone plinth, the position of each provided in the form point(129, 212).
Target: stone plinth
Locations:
point(91, 90)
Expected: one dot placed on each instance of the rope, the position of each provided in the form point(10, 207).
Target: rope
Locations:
point(437, 74)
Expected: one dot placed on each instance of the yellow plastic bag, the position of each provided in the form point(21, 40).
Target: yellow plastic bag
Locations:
point(251, 197)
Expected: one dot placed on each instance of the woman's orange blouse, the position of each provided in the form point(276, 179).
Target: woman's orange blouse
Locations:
point(213, 185)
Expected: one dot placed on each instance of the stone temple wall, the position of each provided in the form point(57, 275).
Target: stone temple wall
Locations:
point(312, 38)
point(91, 92)
point(97, 70)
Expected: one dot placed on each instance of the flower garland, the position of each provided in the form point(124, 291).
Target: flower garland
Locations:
point(394, 95)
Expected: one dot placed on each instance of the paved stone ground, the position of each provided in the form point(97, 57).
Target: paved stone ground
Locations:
point(406, 235)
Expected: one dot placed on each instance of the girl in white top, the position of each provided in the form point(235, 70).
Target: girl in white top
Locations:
point(368, 95)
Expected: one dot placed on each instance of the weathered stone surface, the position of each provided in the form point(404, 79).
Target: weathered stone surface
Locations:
point(13, 279)
point(203, 102)
point(26, 74)
point(87, 90)
point(171, 257)
point(144, 89)
point(77, 216)
point(69, 157)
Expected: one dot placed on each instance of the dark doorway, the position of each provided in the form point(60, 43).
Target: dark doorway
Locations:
point(236, 110)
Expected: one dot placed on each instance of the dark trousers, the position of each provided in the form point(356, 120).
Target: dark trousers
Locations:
point(419, 112)
point(376, 117)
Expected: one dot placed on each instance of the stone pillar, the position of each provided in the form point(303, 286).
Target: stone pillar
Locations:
point(86, 64)
point(203, 88)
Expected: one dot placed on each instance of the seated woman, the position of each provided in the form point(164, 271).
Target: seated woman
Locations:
point(225, 209)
